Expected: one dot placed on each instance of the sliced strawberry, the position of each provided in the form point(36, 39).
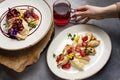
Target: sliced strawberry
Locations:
point(82, 53)
point(69, 50)
point(84, 43)
point(36, 16)
point(85, 38)
point(66, 66)
point(77, 48)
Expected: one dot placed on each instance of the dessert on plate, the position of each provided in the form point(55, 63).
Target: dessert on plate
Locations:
point(78, 53)
point(19, 22)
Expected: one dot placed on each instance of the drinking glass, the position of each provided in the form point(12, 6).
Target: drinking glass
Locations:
point(62, 12)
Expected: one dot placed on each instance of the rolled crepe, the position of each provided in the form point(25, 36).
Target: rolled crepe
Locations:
point(24, 33)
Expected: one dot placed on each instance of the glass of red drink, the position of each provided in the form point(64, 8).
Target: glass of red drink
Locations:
point(61, 12)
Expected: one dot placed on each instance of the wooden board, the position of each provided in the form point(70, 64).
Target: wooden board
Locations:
point(19, 60)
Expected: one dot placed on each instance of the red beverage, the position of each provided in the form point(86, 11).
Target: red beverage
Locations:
point(61, 13)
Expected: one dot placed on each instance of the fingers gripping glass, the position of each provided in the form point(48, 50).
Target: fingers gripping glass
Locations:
point(62, 12)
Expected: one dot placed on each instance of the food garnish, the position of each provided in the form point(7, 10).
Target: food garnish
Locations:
point(19, 22)
point(54, 55)
point(78, 53)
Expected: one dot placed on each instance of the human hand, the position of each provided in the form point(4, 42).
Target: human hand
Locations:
point(87, 12)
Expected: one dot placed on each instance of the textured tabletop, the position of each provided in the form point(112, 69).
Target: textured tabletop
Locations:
point(111, 71)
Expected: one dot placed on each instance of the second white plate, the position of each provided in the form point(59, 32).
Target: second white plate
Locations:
point(44, 12)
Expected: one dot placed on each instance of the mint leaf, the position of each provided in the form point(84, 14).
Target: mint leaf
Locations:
point(87, 51)
point(54, 55)
point(32, 25)
point(69, 35)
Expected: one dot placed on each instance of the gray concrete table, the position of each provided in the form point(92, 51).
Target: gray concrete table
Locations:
point(111, 71)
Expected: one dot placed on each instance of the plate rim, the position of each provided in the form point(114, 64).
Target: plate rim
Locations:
point(38, 39)
point(100, 68)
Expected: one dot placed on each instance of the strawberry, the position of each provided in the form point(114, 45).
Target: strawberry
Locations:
point(36, 16)
point(66, 66)
point(77, 48)
point(85, 38)
point(69, 50)
point(82, 53)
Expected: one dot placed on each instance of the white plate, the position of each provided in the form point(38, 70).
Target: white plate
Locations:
point(96, 63)
point(45, 14)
